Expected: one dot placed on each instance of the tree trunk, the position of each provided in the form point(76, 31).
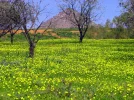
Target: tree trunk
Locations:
point(12, 37)
point(31, 50)
point(81, 34)
point(81, 37)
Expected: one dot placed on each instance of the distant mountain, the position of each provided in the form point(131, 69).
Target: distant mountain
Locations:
point(58, 21)
point(61, 21)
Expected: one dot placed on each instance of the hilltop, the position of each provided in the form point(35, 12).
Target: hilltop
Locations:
point(61, 21)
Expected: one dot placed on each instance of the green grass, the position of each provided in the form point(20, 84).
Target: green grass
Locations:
point(67, 34)
point(20, 37)
point(65, 29)
point(68, 70)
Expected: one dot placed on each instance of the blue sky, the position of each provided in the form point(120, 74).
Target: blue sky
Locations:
point(109, 9)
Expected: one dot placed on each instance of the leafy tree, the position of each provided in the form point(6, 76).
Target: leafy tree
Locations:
point(7, 25)
point(5, 21)
point(119, 26)
point(128, 11)
point(108, 24)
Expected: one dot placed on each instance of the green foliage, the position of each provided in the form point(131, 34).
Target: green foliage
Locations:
point(65, 69)
point(17, 37)
point(20, 37)
point(92, 33)
point(100, 33)
point(108, 24)
point(109, 33)
point(65, 29)
point(67, 34)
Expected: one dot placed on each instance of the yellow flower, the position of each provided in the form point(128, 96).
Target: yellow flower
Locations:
point(9, 94)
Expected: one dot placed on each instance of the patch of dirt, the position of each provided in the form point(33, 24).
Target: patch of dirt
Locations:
point(48, 32)
point(55, 35)
point(76, 32)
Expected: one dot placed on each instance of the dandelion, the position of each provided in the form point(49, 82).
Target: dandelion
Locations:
point(9, 94)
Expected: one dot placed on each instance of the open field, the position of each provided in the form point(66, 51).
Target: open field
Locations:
point(54, 33)
point(64, 69)
point(32, 31)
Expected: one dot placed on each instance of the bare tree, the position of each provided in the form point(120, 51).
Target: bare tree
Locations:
point(24, 15)
point(81, 13)
point(28, 14)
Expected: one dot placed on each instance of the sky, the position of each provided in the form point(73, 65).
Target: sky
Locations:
point(108, 10)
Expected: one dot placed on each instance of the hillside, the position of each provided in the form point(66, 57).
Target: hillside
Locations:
point(62, 21)
point(59, 21)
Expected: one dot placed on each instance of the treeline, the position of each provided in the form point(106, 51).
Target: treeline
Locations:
point(121, 27)
point(109, 33)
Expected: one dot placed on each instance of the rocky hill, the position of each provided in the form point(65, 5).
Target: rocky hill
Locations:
point(61, 21)
point(58, 21)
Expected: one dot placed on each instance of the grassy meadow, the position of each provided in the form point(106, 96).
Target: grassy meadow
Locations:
point(64, 69)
